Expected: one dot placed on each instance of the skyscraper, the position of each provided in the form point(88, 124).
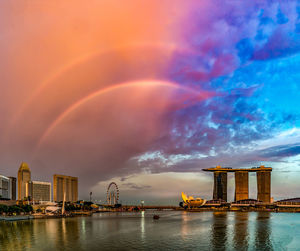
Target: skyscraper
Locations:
point(220, 186)
point(39, 191)
point(24, 176)
point(65, 185)
point(13, 187)
point(5, 187)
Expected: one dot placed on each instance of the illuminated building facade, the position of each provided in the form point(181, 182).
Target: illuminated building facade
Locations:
point(242, 183)
point(264, 186)
point(38, 191)
point(5, 188)
point(65, 185)
point(24, 176)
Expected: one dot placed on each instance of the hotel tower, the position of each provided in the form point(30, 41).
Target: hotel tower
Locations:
point(65, 186)
point(24, 176)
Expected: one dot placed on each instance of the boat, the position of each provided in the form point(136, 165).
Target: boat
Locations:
point(156, 217)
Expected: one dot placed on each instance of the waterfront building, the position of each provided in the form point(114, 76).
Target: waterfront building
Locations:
point(38, 191)
point(264, 186)
point(5, 188)
point(13, 187)
point(65, 185)
point(241, 186)
point(263, 175)
point(220, 186)
point(24, 176)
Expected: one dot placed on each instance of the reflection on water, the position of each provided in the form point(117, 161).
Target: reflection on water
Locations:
point(219, 231)
point(11, 233)
point(263, 231)
point(184, 225)
point(57, 234)
point(143, 225)
point(241, 234)
point(173, 231)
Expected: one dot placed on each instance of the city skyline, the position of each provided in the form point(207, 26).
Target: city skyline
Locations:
point(149, 93)
point(67, 186)
point(37, 191)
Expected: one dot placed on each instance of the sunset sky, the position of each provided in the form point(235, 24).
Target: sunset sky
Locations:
point(147, 93)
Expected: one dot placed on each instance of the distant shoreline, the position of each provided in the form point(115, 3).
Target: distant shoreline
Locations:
point(191, 210)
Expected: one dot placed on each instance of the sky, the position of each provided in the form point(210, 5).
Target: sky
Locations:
point(148, 93)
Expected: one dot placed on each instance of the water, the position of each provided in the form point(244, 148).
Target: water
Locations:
point(173, 231)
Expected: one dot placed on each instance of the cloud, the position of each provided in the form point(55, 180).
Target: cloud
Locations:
point(282, 151)
point(153, 188)
point(239, 58)
point(234, 34)
point(135, 186)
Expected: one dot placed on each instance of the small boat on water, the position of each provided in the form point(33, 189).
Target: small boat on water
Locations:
point(156, 217)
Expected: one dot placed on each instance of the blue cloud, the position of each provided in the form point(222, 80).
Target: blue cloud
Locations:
point(281, 151)
point(254, 68)
point(281, 17)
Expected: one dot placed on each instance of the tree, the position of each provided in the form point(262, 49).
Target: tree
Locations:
point(3, 209)
point(27, 208)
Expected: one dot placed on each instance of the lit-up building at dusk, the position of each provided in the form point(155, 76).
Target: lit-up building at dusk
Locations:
point(65, 186)
point(24, 176)
point(38, 191)
point(263, 175)
point(5, 188)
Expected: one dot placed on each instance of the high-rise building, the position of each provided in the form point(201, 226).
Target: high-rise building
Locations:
point(242, 182)
point(241, 185)
point(5, 187)
point(65, 185)
point(264, 186)
point(24, 176)
point(13, 187)
point(220, 186)
point(38, 191)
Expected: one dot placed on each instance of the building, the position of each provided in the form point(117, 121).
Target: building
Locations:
point(241, 185)
point(5, 188)
point(65, 186)
point(263, 175)
point(264, 186)
point(38, 191)
point(13, 187)
point(24, 176)
point(220, 186)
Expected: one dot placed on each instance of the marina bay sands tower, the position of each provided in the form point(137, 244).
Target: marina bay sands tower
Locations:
point(263, 175)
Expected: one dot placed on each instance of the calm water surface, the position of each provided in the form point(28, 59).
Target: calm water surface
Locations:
point(173, 231)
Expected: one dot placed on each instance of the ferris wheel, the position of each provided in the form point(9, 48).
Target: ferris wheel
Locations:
point(112, 195)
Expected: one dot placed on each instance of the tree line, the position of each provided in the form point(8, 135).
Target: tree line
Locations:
point(15, 209)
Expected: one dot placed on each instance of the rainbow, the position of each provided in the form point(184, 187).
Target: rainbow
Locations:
point(85, 58)
point(142, 83)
